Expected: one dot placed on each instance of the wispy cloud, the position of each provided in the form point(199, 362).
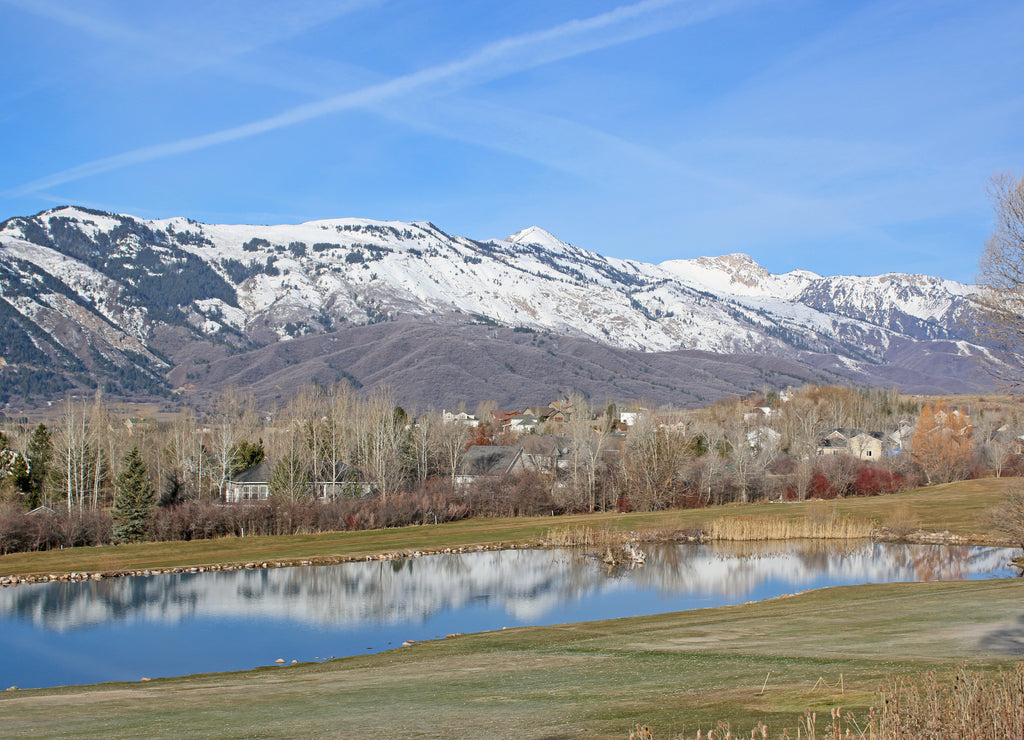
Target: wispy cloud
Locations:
point(86, 22)
point(184, 37)
point(493, 61)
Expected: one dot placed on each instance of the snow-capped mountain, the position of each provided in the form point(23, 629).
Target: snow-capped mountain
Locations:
point(87, 293)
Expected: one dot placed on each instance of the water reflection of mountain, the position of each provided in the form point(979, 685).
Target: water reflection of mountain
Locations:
point(524, 583)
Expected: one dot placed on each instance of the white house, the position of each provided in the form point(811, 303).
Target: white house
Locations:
point(522, 423)
point(629, 418)
point(461, 416)
point(854, 442)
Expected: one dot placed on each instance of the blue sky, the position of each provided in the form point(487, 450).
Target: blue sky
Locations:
point(840, 137)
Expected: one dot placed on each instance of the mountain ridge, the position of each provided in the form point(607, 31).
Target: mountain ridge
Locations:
point(131, 301)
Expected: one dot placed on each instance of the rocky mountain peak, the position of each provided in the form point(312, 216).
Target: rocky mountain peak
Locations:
point(741, 268)
point(538, 237)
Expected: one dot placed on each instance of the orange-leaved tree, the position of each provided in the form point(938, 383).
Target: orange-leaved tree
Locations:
point(943, 443)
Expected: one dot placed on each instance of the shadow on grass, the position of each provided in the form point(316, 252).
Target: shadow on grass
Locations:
point(1006, 640)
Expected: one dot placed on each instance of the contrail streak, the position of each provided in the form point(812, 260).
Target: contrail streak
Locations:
point(492, 61)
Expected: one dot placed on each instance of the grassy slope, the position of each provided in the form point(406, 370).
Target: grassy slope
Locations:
point(955, 507)
point(676, 672)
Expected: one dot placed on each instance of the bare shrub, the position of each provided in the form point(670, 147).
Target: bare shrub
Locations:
point(841, 473)
point(509, 496)
point(44, 530)
point(88, 528)
point(15, 533)
point(1007, 518)
point(193, 520)
point(902, 521)
point(431, 503)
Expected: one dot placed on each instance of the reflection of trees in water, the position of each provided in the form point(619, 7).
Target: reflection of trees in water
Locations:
point(92, 602)
point(922, 562)
point(814, 554)
point(375, 591)
point(930, 566)
point(526, 584)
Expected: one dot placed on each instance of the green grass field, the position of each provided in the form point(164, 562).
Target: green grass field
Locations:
point(676, 672)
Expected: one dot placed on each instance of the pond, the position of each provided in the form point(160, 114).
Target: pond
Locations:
point(127, 628)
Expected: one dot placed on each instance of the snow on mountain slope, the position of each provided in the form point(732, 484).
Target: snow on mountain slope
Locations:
point(889, 300)
point(90, 284)
point(738, 275)
point(245, 284)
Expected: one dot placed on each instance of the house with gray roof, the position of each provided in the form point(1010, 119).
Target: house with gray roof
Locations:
point(252, 484)
point(343, 482)
point(489, 461)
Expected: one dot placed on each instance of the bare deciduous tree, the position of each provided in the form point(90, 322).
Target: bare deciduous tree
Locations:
point(100, 430)
point(382, 442)
point(708, 442)
point(584, 456)
point(1001, 279)
point(339, 448)
point(450, 439)
point(183, 451)
point(421, 447)
point(233, 416)
point(74, 455)
point(801, 427)
point(999, 439)
point(652, 462)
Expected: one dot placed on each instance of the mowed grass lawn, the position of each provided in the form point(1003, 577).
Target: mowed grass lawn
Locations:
point(956, 507)
point(675, 672)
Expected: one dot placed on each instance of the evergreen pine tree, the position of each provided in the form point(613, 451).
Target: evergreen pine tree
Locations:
point(247, 455)
point(21, 474)
point(39, 454)
point(133, 500)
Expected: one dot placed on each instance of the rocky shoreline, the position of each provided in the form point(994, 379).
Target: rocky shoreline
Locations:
point(879, 535)
point(16, 580)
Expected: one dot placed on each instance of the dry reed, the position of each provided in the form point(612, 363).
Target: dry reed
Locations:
point(611, 546)
point(813, 526)
point(587, 537)
point(970, 707)
point(581, 537)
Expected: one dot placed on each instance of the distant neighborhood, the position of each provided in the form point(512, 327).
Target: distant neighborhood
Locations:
point(338, 458)
point(545, 442)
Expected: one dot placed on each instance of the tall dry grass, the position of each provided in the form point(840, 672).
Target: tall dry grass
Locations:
point(612, 547)
point(816, 525)
point(967, 706)
point(972, 706)
point(588, 537)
